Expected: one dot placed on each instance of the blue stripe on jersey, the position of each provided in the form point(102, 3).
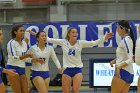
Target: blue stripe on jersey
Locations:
point(126, 45)
point(11, 48)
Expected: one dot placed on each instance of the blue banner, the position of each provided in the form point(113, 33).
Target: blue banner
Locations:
point(87, 31)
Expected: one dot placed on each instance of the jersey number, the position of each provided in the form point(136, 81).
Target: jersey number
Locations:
point(23, 53)
point(71, 52)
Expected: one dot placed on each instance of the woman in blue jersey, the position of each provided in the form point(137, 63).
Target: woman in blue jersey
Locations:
point(124, 73)
point(72, 63)
point(9, 72)
point(40, 72)
point(17, 57)
point(137, 56)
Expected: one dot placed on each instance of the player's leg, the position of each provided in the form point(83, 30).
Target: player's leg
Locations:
point(117, 85)
point(24, 83)
point(138, 87)
point(40, 84)
point(77, 79)
point(126, 88)
point(47, 80)
point(2, 88)
point(15, 83)
point(66, 83)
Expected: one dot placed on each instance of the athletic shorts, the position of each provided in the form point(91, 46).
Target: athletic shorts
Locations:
point(72, 71)
point(28, 64)
point(126, 76)
point(17, 69)
point(43, 74)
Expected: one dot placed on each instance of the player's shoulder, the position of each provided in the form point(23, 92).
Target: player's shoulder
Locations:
point(12, 42)
point(127, 39)
point(24, 42)
point(34, 46)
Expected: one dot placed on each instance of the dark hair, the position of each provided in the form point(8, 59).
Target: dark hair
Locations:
point(37, 35)
point(69, 30)
point(125, 25)
point(15, 29)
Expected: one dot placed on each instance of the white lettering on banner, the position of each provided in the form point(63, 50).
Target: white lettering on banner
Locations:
point(54, 30)
point(27, 34)
point(101, 33)
point(83, 31)
point(64, 30)
point(99, 30)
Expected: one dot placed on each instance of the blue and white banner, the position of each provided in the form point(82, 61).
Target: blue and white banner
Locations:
point(87, 31)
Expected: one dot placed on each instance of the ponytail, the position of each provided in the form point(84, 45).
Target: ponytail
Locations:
point(131, 34)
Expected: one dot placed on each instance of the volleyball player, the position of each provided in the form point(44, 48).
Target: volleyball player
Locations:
point(124, 73)
point(72, 63)
point(3, 70)
point(137, 56)
point(17, 57)
point(40, 72)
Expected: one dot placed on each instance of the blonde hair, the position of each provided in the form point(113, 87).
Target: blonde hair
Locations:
point(68, 31)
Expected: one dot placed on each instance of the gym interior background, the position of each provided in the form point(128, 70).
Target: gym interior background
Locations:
point(22, 11)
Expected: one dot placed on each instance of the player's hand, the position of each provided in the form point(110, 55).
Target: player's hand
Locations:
point(38, 60)
point(112, 62)
point(117, 69)
point(108, 36)
point(10, 72)
point(60, 70)
point(29, 55)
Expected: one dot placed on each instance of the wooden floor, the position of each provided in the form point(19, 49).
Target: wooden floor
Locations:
point(83, 89)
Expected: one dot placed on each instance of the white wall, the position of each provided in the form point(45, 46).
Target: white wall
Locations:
point(103, 12)
point(21, 12)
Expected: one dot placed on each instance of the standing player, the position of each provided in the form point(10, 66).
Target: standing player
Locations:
point(124, 58)
point(40, 72)
point(72, 62)
point(9, 72)
point(17, 57)
point(137, 56)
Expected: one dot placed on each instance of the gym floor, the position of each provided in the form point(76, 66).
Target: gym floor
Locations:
point(84, 89)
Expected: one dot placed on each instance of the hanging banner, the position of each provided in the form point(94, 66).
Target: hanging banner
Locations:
point(86, 31)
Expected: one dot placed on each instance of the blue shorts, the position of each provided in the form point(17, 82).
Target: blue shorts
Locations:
point(43, 74)
point(126, 76)
point(0, 79)
point(17, 69)
point(72, 71)
point(28, 64)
